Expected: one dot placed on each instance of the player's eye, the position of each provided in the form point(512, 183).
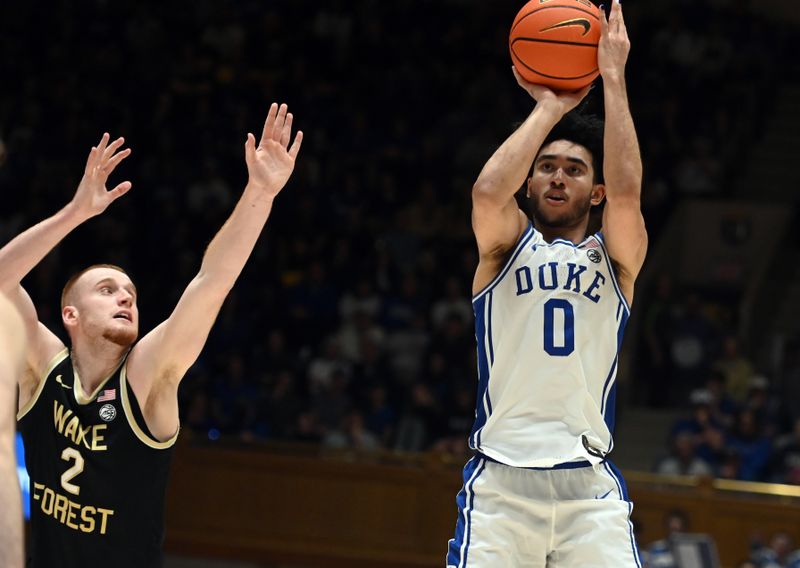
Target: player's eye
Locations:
point(105, 290)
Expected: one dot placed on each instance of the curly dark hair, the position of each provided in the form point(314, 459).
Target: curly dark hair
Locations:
point(583, 129)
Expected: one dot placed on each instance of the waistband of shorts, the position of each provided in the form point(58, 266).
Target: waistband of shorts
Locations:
point(564, 465)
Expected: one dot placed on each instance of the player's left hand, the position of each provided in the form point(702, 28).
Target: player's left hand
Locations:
point(614, 47)
point(270, 164)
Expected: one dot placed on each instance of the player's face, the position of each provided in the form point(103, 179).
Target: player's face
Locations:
point(104, 306)
point(561, 187)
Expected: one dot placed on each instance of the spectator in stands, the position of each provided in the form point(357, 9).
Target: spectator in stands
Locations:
point(785, 465)
point(352, 434)
point(655, 360)
point(420, 421)
point(659, 553)
point(683, 459)
point(693, 341)
point(379, 416)
point(751, 446)
point(737, 369)
point(708, 434)
point(458, 417)
point(790, 379)
point(765, 408)
point(721, 405)
point(777, 554)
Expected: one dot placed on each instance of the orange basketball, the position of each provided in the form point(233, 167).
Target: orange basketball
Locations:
point(554, 43)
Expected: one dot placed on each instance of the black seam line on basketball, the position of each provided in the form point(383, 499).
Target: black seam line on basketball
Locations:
point(587, 12)
point(595, 70)
point(537, 40)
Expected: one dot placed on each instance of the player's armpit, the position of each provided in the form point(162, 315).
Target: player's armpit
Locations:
point(497, 230)
point(42, 344)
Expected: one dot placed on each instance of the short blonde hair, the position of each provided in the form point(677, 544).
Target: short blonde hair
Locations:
point(74, 278)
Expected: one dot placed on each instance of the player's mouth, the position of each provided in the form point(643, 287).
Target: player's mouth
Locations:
point(555, 198)
point(124, 315)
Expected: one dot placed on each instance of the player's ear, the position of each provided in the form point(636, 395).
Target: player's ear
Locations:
point(598, 193)
point(528, 186)
point(69, 315)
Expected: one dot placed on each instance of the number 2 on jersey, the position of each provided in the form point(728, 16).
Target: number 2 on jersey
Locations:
point(67, 455)
point(567, 345)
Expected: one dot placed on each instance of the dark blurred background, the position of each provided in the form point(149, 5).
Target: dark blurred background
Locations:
point(351, 326)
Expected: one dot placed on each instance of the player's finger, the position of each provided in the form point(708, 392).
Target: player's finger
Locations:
point(279, 122)
point(120, 190)
point(270, 122)
point(298, 140)
point(249, 148)
point(113, 147)
point(521, 81)
point(109, 166)
point(286, 134)
point(616, 14)
point(91, 159)
point(101, 146)
point(603, 21)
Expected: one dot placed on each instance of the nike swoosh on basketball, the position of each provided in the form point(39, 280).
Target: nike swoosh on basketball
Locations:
point(567, 23)
point(58, 380)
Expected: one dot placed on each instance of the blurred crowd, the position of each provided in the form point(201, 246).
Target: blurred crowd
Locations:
point(351, 326)
point(738, 423)
point(777, 550)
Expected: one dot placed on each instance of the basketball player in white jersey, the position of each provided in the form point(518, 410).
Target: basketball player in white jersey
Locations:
point(12, 345)
point(99, 448)
point(550, 307)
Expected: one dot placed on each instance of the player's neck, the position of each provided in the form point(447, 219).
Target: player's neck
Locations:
point(94, 362)
point(574, 234)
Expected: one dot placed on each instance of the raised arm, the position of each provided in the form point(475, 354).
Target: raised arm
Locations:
point(623, 224)
point(25, 251)
point(159, 361)
point(496, 220)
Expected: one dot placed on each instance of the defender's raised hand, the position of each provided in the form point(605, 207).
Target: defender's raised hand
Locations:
point(270, 164)
point(92, 197)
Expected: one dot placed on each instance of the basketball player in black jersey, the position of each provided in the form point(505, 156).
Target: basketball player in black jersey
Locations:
point(99, 419)
point(12, 345)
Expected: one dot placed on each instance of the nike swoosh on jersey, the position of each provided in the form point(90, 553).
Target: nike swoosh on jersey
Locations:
point(566, 23)
point(604, 495)
point(58, 380)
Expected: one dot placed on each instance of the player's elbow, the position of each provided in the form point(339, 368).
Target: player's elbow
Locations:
point(214, 285)
point(626, 190)
point(486, 194)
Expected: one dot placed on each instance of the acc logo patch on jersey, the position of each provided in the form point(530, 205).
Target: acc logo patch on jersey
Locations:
point(594, 255)
point(108, 412)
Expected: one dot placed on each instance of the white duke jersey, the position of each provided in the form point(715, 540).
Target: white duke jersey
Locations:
point(549, 327)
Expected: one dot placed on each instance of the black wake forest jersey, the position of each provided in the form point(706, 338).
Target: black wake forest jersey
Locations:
point(97, 475)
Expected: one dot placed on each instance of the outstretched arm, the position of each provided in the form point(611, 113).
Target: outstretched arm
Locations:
point(159, 361)
point(623, 224)
point(26, 250)
point(496, 219)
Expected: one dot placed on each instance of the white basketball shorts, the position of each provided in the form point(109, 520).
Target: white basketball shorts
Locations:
point(565, 517)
